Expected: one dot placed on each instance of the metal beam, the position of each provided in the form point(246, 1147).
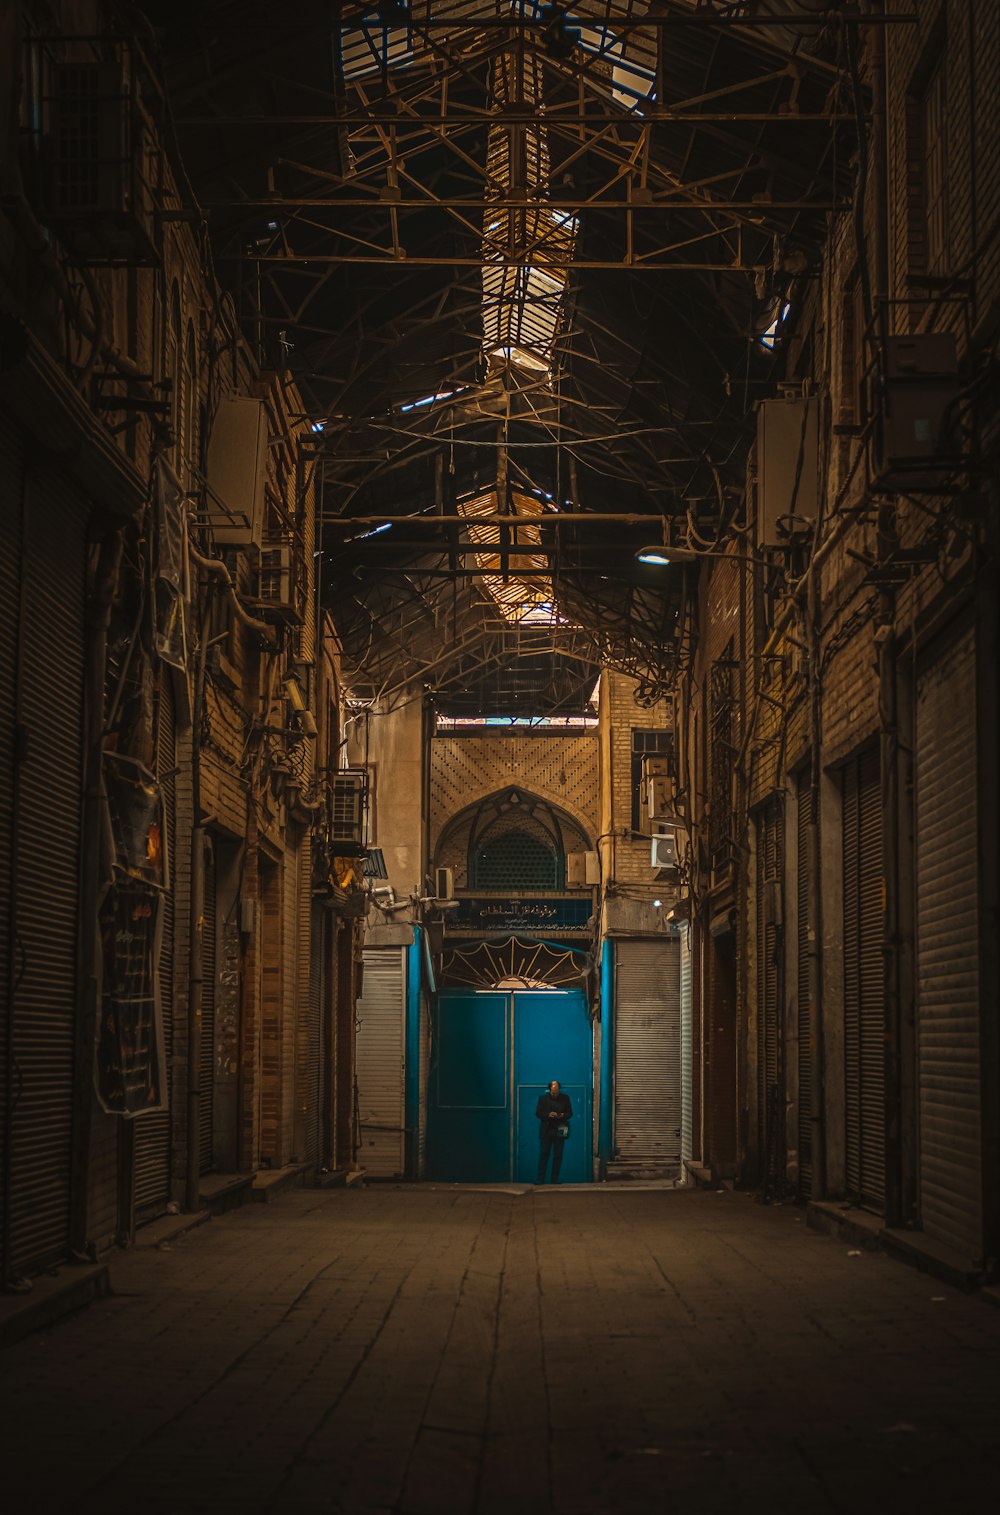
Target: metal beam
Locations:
point(552, 518)
point(651, 116)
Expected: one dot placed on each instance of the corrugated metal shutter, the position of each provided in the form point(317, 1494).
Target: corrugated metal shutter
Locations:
point(770, 866)
point(206, 1047)
point(864, 1013)
point(47, 879)
point(802, 996)
point(948, 1030)
point(152, 1132)
point(648, 1054)
point(310, 1098)
point(687, 1047)
point(380, 1061)
point(11, 463)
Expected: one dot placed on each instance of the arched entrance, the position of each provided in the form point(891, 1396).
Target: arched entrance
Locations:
point(517, 1017)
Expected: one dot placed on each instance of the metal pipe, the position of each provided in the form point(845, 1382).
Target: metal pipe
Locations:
point(197, 929)
point(218, 568)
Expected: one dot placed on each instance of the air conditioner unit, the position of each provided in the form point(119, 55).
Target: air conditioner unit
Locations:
point(274, 576)
point(102, 165)
point(787, 468)
point(237, 469)
point(660, 793)
point(444, 883)
point(347, 810)
point(921, 389)
point(664, 851)
point(582, 869)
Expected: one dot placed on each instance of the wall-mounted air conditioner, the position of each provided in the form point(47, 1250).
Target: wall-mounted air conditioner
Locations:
point(664, 850)
point(787, 468)
point(444, 883)
point(913, 441)
point(583, 869)
point(102, 179)
point(347, 809)
point(237, 470)
point(274, 585)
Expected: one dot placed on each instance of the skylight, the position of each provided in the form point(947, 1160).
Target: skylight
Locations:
point(524, 597)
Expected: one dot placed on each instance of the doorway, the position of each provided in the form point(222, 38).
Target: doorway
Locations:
point(493, 1054)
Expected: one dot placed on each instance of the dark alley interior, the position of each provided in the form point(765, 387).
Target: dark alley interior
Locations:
point(499, 755)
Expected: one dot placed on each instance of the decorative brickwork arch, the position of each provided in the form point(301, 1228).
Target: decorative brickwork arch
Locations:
point(509, 840)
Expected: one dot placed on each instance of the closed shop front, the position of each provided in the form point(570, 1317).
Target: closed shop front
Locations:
point(43, 550)
point(206, 1048)
point(647, 1135)
point(381, 1017)
point(864, 1014)
point(687, 1044)
point(947, 922)
point(802, 991)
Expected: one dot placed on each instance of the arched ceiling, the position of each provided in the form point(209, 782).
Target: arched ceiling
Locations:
point(515, 257)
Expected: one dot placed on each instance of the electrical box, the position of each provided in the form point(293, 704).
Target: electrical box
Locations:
point(787, 468)
point(582, 869)
point(921, 388)
point(444, 883)
point(237, 470)
point(660, 793)
point(664, 850)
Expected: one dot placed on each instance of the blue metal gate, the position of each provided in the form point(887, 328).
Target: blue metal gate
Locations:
point(493, 1054)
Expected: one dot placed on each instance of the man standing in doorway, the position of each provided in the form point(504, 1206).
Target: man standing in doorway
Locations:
point(554, 1112)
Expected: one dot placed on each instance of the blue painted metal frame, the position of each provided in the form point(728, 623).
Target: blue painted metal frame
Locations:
point(606, 1125)
point(411, 1086)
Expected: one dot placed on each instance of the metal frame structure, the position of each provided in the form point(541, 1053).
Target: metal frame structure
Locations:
point(619, 187)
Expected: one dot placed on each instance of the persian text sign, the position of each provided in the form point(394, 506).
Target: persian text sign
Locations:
point(130, 1054)
point(522, 916)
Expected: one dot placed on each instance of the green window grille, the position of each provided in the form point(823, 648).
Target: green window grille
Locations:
point(516, 860)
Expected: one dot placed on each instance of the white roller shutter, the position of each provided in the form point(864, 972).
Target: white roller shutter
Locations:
point(687, 1046)
point(948, 1031)
point(648, 1056)
point(380, 1061)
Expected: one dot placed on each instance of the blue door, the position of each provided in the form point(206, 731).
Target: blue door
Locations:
point(492, 1055)
point(553, 1039)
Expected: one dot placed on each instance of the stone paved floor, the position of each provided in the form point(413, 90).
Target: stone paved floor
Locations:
point(429, 1351)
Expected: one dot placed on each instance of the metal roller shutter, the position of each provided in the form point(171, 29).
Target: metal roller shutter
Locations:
point(152, 1132)
point(206, 1046)
point(380, 1061)
point(11, 463)
point(948, 1031)
point(802, 996)
point(46, 883)
point(687, 1048)
point(864, 1014)
point(770, 865)
point(648, 1055)
point(310, 1098)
